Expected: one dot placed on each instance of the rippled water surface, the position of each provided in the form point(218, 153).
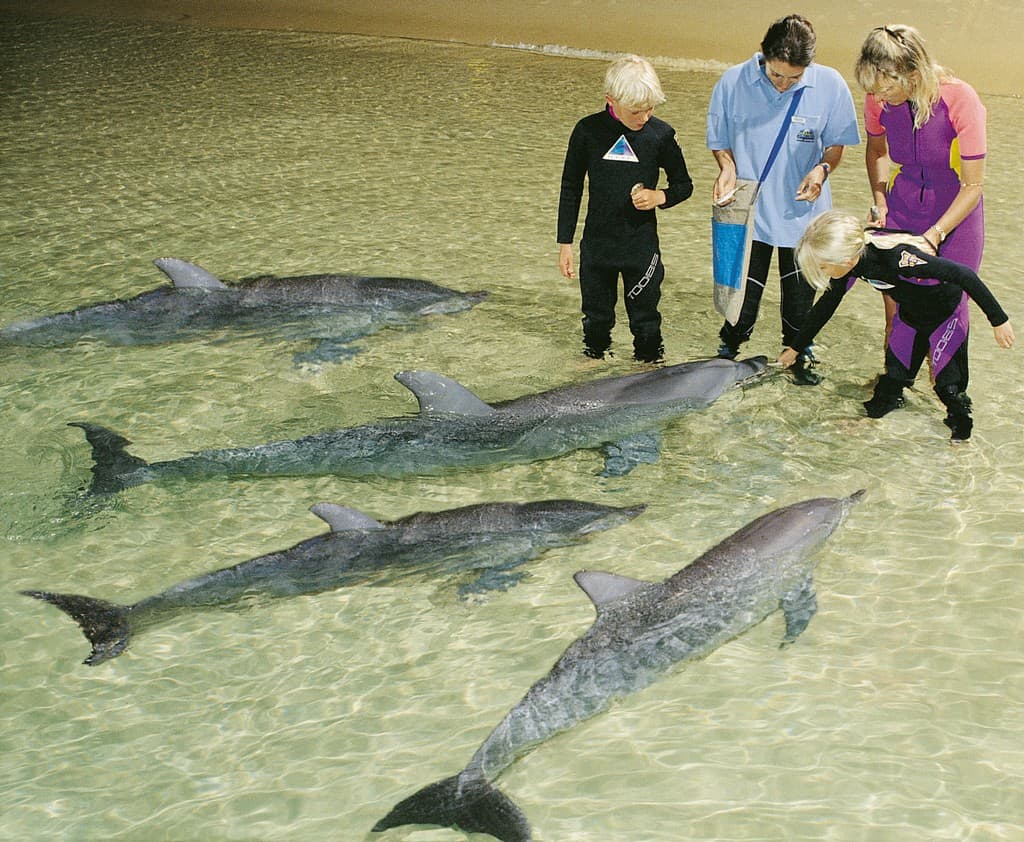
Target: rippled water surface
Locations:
point(896, 715)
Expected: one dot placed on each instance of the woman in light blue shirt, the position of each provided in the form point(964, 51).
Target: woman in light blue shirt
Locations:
point(748, 106)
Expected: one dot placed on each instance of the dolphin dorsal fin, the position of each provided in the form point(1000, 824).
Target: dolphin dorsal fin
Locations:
point(342, 519)
point(603, 588)
point(440, 395)
point(185, 275)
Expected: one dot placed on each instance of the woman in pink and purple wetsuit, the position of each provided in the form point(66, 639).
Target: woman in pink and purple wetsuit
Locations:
point(925, 159)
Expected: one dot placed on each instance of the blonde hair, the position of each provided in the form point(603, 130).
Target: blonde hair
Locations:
point(835, 237)
point(897, 52)
point(631, 80)
point(838, 238)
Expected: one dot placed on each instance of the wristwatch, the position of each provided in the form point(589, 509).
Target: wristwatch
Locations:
point(826, 167)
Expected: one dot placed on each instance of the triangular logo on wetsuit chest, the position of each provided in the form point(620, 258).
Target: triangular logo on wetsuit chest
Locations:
point(621, 151)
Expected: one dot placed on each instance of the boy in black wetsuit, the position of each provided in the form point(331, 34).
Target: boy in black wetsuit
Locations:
point(836, 250)
point(620, 151)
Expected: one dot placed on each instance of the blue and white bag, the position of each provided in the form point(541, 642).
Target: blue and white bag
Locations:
point(732, 232)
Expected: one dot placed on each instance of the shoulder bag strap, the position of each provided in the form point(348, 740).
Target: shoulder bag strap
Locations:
point(782, 133)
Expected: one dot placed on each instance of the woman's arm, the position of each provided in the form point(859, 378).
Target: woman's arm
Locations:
point(972, 175)
point(726, 180)
point(878, 165)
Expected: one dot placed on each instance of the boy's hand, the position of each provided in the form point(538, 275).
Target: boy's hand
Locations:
point(644, 199)
point(1004, 335)
point(565, 261)
point(788, 357)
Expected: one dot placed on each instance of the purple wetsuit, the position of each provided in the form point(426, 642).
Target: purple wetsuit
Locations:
point(928, 178)
point(928, 291)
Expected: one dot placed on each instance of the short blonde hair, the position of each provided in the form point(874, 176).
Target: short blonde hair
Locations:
point(897, 52)
point(631, 80)
point(835, 237)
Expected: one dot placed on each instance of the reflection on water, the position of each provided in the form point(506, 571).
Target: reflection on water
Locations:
point(894, 716)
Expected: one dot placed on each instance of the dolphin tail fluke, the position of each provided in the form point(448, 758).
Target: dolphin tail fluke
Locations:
point(473, 807)
point(105, 624)
point(111, 459)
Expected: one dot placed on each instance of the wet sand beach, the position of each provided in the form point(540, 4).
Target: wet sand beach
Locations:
point(977, 40)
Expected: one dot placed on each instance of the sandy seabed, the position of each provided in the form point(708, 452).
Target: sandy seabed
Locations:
point(977, 39)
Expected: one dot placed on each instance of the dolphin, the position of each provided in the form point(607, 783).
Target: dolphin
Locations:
point(642, 629)
point(488, 540)
point(456, 429)
point(332, 309)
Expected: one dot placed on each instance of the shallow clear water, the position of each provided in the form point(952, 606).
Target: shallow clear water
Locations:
point(897, 713)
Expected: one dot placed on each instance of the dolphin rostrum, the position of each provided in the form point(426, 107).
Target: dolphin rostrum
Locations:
point(456, 429)
point(488, 540)
point(331, 309)
point(642, 629)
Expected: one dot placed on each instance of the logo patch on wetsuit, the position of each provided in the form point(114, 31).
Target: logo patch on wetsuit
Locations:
point(907, 260)
point(621, 151)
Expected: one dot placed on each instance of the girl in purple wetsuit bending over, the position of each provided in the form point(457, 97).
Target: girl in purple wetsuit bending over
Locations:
point(836, 250)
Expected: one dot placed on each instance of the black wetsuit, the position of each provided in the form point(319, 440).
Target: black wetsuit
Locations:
point(927, 290)
point(618, 238)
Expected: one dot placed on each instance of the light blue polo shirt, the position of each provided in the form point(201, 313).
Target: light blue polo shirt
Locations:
point(745, 115)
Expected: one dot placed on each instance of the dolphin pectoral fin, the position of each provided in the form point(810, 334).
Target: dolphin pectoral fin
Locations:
point(474, 807)
point(799, 605)
point(105, 624)
point(621, 457)
point(603, 588)
point(491, 580)
point(327, 351)
point(185, 275)
point(110, 458)
point(342, 519)
point(440, 395)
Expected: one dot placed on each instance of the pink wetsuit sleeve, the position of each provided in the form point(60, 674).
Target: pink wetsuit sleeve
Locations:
point(967, 115)
point(872, 116)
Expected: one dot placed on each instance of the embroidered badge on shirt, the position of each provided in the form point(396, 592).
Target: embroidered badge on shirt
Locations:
point(907, 260)
point(621, 151)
